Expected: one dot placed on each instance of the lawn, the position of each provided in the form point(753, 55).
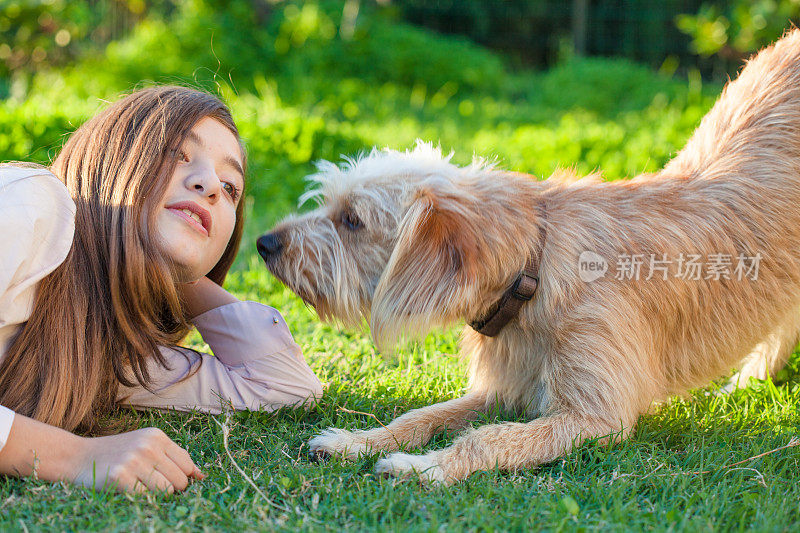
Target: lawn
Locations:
point(674, 473)
point(694, 463)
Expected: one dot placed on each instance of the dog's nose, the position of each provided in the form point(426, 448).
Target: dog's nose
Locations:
point(269, 245)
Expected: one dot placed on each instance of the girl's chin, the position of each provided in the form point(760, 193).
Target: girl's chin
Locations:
point(190, 257)
point(184, 271)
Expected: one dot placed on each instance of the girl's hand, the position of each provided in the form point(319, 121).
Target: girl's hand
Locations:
point(145, 459)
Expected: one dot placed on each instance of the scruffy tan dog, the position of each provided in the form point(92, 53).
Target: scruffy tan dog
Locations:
point(646, 288)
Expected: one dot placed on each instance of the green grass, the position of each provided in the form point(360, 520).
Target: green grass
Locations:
point(299, 94)
point(647, 482)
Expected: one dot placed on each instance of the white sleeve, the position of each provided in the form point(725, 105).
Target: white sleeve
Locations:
point(6, 419)
point(37, 224)
point(37, 221)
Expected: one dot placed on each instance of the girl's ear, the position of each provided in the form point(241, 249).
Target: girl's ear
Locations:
point(434, 266)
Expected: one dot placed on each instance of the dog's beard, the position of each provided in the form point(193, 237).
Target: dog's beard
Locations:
point(316, 301)
point(303, 289)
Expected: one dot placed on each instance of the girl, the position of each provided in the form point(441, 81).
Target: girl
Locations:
point(101, 279)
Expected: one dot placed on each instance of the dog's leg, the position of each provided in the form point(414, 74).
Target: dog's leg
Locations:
point(769, 356)
point(508, 446)
point(414, 428)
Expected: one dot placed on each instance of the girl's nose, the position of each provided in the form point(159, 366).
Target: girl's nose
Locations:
point(204, 183)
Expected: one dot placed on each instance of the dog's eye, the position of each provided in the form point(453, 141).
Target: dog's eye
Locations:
point(350, 221)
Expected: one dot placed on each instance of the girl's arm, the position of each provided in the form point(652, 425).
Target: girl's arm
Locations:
point(256, 363)
point(141, 460)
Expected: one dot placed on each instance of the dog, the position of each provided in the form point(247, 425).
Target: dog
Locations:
point(604, 310)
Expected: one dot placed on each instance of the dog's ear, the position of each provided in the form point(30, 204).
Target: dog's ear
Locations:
point(433, 268)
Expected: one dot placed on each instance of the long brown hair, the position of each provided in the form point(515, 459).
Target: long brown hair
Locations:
point(102, 314)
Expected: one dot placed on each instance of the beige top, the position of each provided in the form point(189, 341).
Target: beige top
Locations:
point(256, 363)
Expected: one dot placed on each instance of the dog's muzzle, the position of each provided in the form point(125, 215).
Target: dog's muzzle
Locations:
point(269, 245)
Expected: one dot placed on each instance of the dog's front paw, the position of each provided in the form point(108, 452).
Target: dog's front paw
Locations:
point(404, 465)
point(340, 442)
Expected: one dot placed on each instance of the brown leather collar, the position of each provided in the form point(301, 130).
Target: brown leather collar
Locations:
point(521, 291)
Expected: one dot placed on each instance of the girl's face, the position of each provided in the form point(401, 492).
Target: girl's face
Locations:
point(197, 215)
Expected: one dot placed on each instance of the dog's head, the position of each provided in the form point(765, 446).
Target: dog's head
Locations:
point(402, 239)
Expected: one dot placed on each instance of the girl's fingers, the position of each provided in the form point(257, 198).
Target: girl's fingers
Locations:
point(122, 484)
point(155, 482)
point(173, 473)
point(138, 487)
point(181, 457)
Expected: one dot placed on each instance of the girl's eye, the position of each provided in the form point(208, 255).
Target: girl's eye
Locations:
point(351, 221)
point(231, 189)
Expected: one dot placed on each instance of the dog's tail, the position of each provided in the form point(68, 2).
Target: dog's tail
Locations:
point(753, 131)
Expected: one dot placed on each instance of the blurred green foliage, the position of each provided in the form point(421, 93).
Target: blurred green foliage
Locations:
point(737, 28)
point(42, 34)
point(301, 90)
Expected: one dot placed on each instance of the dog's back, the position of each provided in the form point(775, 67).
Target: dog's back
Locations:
point(745, 155)
point(734, 191)
point(732, 194)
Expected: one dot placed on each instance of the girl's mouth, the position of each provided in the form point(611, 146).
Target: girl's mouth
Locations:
point(192, 214)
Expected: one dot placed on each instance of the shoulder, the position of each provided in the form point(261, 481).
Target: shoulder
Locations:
point(37, 225)
point(36, 189)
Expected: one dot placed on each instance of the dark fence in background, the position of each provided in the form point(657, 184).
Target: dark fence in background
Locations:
point(538, 32)
point(640, 30)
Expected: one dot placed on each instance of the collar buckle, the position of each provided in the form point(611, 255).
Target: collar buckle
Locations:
point(524, 287)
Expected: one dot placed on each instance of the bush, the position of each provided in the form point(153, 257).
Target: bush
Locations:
point(301, 92)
